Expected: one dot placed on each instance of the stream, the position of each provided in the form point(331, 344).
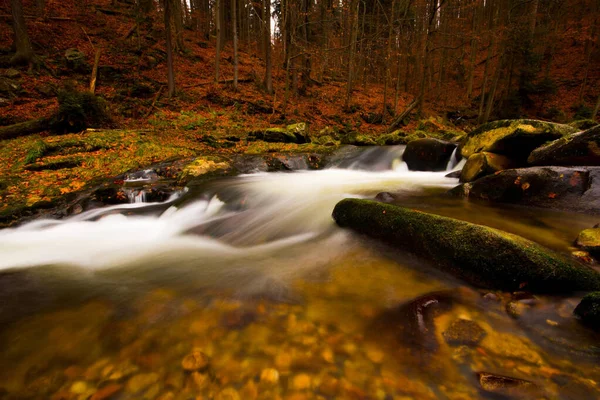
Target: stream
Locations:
point(251, 275)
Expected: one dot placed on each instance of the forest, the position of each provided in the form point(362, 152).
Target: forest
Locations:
point(299, 199)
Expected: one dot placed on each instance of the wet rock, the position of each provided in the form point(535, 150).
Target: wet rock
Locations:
point(269, 376)
point(589, 310)
point(301, 131)
point(515, 309)
point(481, 255)
point(301, 382)
point(428, 154)
point(107, 391)
point(385, 197)
point(582, 148)
point(506, 385)
point(583, 256)
point(484, 163)
point(195, 361)
point(412, 323)
point(513, 138)
point(147, 175)
point(228, 394)
point(571, 189)
point(454, 174)
point(139, 382)
point(463, 332)
point(589, 240)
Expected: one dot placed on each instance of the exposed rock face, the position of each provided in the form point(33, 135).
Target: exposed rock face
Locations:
point(484, 163)
point(570, 189)
point(589, 310)
point(589, 240)
point(428, 154)
point(483, 256)
point(582, 148)
point(514, 138)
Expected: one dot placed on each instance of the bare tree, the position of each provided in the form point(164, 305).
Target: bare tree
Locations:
point(218, 27)
point(171, 73)
point(24, 52)
point(235, 43)
point(269, 63)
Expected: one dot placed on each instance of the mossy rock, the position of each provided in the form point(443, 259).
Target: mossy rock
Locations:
point(589, 310)
point(583, 124)
point(356, 139)
point(589, 240)
point(514, 138)
point(206, 166)
point(394, 138)
point(481, 255)
point(582, 148)
point(484, 163)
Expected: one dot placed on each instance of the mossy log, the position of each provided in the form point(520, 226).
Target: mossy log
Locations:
point(25, 128)
point(481, 255)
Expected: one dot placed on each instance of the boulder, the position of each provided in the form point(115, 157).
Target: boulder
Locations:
point(562, 188)
point(589, 240)
point(206, 166)
point(463, 332)
point(295, 133)
point(508, 386)
point(428, 154)
point(514, 138)
point(481, 255)
point(484, 163)
point(300, 131)
point(582, 148)
point(589, 310)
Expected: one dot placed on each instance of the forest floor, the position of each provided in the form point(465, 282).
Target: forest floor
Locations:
point(204, 117)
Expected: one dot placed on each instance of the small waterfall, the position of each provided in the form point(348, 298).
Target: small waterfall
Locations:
point(137, 196)
point(453, 161)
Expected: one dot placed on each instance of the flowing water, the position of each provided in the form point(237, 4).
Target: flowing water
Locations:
point(252, 273)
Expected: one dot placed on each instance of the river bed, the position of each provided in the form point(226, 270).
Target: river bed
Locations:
point(244, 288)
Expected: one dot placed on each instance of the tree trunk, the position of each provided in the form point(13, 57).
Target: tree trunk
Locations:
point(596, 109)
point(354, 34)
point(490, 100)
point(268, 62)
point(171, 73)
point(146, 6)
point(24, 52)
point(388, 62)
point(398, 121)
point(218, 48)
point(177, 13)
point(235, 43)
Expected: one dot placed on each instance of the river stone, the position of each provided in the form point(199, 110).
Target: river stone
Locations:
point(582, 148)
point(570, 189)
point(514, 138)
point(506, 385)
point(428, 154)
point(589, 310)
point(484, 163)
point(589, 240)
point(463, 332)
point(481, 255)
point(206, 166)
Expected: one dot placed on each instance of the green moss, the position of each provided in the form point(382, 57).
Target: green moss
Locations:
point(206, 166)
point(481, 255)
point(38, 150)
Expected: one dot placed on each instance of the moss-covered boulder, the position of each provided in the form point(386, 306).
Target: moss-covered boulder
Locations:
point(206, 166)
point(484, 163)
point(393, 138)
point(582, 148)
point(428, 154)
point(589, 310)
point(356, 139)
point(589, 240)
point(483, 256)
point(560, 188)
point(295, 133)
point(514, 138)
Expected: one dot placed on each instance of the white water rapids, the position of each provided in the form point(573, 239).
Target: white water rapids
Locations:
point(258, 222)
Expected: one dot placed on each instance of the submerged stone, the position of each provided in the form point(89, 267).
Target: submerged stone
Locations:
point(506, 385)
point(481, 255)
point(428, 154)
point(570, 189)
point(463, 332)
point(589, 310)
point(582, 148)
point(515, 138)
